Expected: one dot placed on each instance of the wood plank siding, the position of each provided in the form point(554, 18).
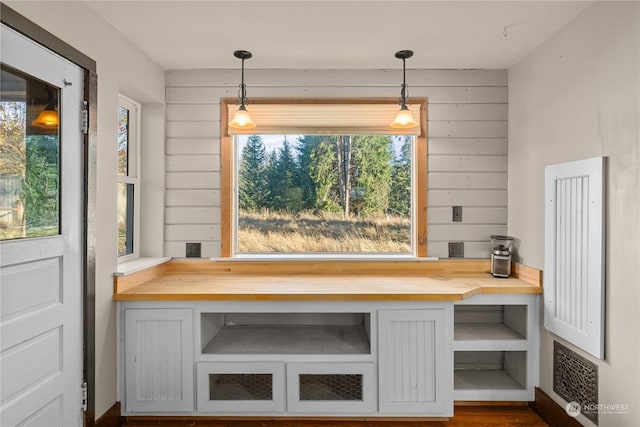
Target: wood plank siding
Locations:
point(467, 146)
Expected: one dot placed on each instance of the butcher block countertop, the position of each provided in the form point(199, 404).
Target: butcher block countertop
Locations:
point(445, 280)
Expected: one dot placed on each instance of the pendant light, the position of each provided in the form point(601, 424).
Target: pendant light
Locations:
point(404, 119)
point(242, 119)
point(48, 118)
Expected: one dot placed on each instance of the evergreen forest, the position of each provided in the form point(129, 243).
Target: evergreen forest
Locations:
point(325, 193)
point(355, 175)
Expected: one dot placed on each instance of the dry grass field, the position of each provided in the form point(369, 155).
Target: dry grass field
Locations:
point(325, 232)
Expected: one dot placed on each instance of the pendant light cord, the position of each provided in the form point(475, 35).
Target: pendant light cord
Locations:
point(403, 92)
point(243, 88)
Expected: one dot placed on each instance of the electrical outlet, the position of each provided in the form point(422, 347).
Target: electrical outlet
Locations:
point(456, 249)
point(194, 250)
point(457, 214)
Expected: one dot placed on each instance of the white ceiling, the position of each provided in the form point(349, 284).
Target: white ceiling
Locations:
point(337, 34)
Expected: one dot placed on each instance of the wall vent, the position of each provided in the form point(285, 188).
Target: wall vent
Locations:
point(575, 379)
point(193, 250)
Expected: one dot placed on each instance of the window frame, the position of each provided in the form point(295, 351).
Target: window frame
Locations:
point(133, 171)
point(227, 168)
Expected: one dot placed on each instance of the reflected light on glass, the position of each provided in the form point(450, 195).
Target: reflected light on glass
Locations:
point(47, 119)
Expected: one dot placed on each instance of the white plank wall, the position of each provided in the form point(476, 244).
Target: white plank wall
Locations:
point(467, 138)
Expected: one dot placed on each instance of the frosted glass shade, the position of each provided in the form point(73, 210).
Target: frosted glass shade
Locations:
point(404, 119)
point(242, 119)
point(47, 119)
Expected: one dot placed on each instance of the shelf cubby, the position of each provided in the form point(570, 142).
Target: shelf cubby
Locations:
point(293, 333)
point(477, 373)
point(489, 323)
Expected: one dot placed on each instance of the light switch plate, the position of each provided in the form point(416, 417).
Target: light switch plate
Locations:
point(457, 214)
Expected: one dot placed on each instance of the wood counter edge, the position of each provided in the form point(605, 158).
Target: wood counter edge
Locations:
point(288, 297)
point(123, 285)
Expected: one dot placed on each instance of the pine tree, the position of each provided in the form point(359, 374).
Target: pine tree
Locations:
point(271, 175)
point(324, 174)
point(400, 197)
point(343, 154)
point(373, 170)
point(252, 180)
point(305, 147)
point(283, 172)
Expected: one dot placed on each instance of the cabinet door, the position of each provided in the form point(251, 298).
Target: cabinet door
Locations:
point(158, 360)
point(330, 388)
point(415, 361)
point(240, 387)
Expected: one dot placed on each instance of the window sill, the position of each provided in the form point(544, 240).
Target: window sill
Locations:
point(129, 267)
point(323, 258)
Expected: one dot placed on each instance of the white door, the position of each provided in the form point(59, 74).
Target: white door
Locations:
point(41, 231)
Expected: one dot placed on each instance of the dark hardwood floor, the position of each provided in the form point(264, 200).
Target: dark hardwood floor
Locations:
point(464, 416)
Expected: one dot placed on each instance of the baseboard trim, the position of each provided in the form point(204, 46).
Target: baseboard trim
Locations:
point(483, 403)
point(552, 413)
point(111, 418)
point(202, 420)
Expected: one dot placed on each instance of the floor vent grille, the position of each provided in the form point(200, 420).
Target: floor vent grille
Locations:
point(575, 379)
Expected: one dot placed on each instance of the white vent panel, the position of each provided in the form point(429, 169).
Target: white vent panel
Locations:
point(574, 253)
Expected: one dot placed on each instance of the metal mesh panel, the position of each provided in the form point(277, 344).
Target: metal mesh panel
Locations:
point(330, 387)
point(575, 379)
point(240, 387)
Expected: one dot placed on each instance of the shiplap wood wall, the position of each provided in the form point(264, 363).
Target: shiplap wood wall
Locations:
point(467, 145)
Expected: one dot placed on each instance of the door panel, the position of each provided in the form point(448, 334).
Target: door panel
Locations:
point(41, 243)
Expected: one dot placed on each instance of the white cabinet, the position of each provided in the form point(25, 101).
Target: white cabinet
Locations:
point(496, 348)
point(415, 361)
point(319, 358)
point(158, 360)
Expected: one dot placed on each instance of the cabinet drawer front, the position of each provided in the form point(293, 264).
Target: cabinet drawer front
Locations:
point(240, 387)
point(331, 387)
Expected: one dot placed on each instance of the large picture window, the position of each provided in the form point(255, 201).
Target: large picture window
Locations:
point(325, 195)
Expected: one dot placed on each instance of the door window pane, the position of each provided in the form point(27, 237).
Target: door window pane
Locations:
point(29, 156)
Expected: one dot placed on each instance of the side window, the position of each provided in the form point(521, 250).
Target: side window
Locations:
point(128, 178)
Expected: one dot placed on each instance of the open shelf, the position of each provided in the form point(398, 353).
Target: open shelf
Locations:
point(490, 370)
point(285, 333)
point(490, 322)
point(484, 379)
point(484, 331)
point(285, 339)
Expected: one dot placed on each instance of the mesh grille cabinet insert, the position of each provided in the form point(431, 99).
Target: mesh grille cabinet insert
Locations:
point(335, 387)
point(240, 387)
